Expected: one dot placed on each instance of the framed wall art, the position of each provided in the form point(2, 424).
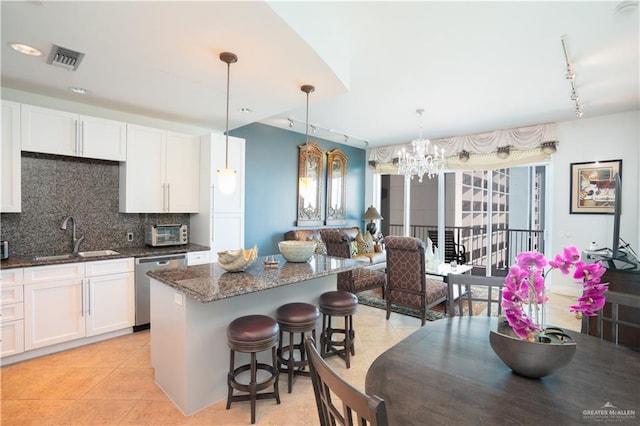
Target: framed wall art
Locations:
point(593, 187)
point(336, 187)
point(310, 176)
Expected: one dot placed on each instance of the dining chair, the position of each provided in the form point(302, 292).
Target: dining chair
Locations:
point(407, 284)
point(354, 407)
point(608, 323)
point(463, 283)
point(339, 245)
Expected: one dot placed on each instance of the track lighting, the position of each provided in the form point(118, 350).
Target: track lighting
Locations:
point(570, 74)
point(571, 77)
point(314, 129)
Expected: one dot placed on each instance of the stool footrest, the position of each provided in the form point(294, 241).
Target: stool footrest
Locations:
point(260, 385)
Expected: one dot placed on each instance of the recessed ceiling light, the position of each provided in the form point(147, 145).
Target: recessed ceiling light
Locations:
point(79, 90)
point(245, 110)
point(25, 49)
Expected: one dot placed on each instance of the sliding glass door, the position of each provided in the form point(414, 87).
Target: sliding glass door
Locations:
point(489, 216)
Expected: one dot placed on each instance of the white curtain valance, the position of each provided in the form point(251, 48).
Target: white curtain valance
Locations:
point(524, 143)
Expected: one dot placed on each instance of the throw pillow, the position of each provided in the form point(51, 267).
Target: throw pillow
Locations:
point(321, 248)
point(354, 248)
point(365, 242)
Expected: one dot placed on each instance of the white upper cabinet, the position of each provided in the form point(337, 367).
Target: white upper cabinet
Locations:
point(142, 177)
point(10, 158)
point(64, 133)
point(183, 172)
point(161, 174)
point(103, 139)
point(220, 222)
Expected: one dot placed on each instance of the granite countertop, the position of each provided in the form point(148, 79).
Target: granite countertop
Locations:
point(144, 251)
point(208, 283)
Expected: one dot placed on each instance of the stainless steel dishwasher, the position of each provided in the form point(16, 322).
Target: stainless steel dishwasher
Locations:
point(144, 265)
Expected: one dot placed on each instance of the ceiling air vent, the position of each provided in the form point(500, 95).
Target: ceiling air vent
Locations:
point(65, 58)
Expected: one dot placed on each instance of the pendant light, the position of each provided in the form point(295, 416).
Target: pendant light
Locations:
point(227, 176)
point(305, 182)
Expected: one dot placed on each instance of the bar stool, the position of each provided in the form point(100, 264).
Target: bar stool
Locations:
point(253, 334)
point(294, 318)
point(337, 304)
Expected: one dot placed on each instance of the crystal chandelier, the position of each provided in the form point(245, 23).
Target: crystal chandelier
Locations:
point(421, 161)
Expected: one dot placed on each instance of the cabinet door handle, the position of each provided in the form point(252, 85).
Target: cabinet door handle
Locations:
point(82, 298)
point(77, 135)
point(213, 198)
point(168, 196)
point(211, 214)
point(81, 139)
point(164, 197)
point(89, 295)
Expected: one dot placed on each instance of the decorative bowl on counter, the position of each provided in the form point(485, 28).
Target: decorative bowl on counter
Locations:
point(237, 260)
point(297, 251)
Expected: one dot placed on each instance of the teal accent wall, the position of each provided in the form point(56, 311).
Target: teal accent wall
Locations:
point(271, 183)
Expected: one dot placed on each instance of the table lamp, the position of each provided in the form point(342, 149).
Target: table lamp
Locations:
point(372, 214)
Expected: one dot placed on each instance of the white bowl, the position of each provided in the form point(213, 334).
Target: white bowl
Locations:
point(297, 251)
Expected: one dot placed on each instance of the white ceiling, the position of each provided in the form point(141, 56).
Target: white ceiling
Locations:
point(472, 66)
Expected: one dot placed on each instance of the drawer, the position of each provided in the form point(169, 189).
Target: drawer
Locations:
point(197, 258)
point(11, 276)
point(12, 338)
point(12, 312)
point(11, 294)
point(40, 274)
point(108, 267)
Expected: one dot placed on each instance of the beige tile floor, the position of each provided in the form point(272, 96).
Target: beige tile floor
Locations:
point(111, 383)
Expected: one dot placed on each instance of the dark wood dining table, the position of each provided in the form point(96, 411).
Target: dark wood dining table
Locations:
point(446, 373)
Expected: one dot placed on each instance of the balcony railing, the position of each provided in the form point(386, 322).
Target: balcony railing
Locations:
point(505, 243)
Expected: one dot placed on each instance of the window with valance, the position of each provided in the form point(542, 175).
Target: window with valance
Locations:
point(525, 145)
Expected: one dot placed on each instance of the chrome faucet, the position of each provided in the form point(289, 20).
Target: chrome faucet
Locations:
point(75, 241)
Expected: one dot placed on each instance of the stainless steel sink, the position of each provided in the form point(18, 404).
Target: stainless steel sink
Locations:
point(97, 253)
point(54, 257)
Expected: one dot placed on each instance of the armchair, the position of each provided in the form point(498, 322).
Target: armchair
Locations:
point(339, 245)
point(407, 284)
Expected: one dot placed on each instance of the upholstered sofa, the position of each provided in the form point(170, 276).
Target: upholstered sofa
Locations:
point(375, 260)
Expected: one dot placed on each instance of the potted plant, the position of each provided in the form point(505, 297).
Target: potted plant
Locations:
point(523, 341)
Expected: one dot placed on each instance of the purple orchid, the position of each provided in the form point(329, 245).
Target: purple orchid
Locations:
point(524, 285)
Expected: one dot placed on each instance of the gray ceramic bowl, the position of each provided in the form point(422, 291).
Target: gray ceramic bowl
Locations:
point(297, 251)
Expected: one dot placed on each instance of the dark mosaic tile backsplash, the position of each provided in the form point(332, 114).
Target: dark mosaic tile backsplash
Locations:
point(54, 187)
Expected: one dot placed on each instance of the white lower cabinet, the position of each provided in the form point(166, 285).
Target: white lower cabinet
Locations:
point(11, 312)
point(111, 303)
point(76, 300)
point(54, 312)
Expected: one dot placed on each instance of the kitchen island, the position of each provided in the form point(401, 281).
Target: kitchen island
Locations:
point(192, 306)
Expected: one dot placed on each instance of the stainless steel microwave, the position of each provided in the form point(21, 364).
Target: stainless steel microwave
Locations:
point(166, 235)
